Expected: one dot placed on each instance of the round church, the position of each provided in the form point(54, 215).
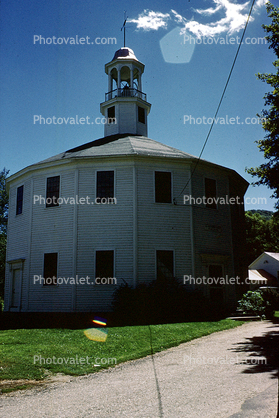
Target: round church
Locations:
point(121, 209)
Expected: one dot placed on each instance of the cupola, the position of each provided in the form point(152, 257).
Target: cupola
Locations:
point(125, 107)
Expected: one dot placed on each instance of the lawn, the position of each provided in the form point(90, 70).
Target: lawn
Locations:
point(37, 353)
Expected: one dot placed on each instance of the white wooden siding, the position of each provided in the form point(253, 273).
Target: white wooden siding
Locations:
point(52, 231)
point(267, 263)
point(18, 238)
point(212, 227)
point(162, 225)
point(76, 232)
point(104, 227)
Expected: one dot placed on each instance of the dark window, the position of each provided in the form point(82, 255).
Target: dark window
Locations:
point(105, 184)
point(141, 114)
point(104, 264)
point(210, 193)
point(162, 187)
point(50, 269)
point(19, 200)
point(164, 265)
point(52, 194)
point(111, 114)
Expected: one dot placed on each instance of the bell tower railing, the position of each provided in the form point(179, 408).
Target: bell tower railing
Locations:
point(125, 92)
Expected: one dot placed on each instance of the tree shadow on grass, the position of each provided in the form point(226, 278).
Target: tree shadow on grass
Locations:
point(262, 351)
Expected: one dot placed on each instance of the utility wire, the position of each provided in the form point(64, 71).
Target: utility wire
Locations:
point(220, 102)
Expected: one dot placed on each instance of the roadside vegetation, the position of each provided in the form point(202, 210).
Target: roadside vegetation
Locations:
point(24, 351)
point(262, 302)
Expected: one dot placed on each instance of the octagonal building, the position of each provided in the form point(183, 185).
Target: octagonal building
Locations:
point(118, 210)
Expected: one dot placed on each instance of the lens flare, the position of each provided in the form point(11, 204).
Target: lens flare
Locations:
point(100, 321)
point(96, 334)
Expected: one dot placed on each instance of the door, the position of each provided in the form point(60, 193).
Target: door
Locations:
point(216, 289)
point(15, 288)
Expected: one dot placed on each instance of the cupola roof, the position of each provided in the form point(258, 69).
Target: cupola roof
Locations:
point(124, 53)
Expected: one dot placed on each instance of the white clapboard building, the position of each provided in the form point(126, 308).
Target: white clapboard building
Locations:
point(123, 208)
point(264, 271)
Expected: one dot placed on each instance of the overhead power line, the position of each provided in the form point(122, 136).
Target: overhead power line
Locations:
point(220, 102)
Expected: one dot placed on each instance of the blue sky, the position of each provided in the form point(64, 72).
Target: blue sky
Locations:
point(187, 47)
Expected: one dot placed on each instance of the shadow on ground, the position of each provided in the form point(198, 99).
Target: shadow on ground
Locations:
point(262, 352)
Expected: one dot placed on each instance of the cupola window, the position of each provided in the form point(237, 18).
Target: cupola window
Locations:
point(141, 114)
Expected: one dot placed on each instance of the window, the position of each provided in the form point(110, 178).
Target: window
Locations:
point(104, 264)
point(50, 269)
point(141, 114)
point(165, 269)
point(111, 115)
point(162, 187)
point(52, 193)
point(105, 184)
point(19, 200)
point(210, 193)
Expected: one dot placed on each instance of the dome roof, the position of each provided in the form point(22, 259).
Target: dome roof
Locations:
point(124, 53)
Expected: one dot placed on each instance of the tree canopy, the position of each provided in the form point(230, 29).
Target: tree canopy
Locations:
point(268, 172)
point(261, 234)
point(4, 200)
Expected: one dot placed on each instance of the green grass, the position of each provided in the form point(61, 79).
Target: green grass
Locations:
point(18, 347)
point(276, 314)
point(18, 387)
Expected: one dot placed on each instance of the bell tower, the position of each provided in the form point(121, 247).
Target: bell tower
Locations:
point(125, 107)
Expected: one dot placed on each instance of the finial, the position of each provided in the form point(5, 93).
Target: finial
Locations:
point(124, 27)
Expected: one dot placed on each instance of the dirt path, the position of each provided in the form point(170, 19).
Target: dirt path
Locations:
point(229, 374)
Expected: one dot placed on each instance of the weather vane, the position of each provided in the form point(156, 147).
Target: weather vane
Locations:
point(124, 27)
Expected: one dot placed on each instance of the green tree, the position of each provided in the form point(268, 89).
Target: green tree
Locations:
point(268, 172)
point(262, 234)
point(4, 201)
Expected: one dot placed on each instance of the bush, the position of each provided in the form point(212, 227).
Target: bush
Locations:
point(261, 302)
point(1, 304)
point(271, 300)
point(252, 302)
point(161, 302)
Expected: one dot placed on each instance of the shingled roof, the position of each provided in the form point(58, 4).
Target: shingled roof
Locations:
point(125, 145)
point(121, 145)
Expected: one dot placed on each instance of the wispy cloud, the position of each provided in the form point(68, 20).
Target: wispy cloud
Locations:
point(178, 18)
point(260, 3)
point(230, 17)
point(235, 17)
point(150, 20)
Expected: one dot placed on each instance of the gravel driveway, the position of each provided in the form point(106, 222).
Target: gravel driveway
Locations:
point(219, 375)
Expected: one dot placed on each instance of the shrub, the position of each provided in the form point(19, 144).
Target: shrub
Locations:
point(252, 302)
point(1, 304)
point(160, 302)
point(261, 302)
point(271, 301)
